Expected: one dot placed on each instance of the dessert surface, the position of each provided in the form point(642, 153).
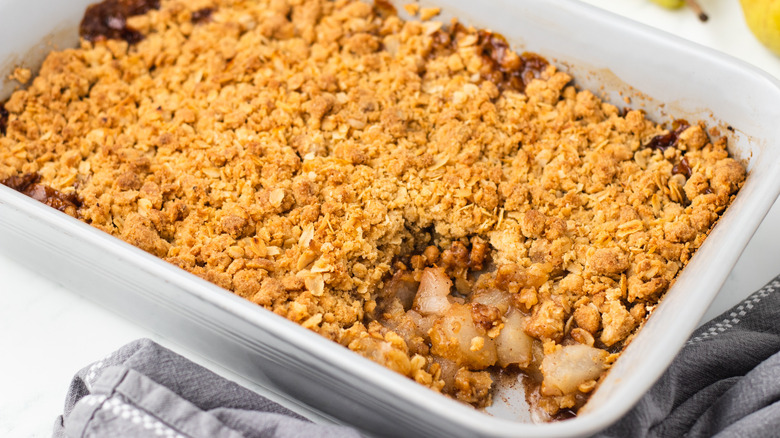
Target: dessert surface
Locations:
point(414, 191)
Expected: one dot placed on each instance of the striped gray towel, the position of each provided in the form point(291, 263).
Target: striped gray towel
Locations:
point(145, 390)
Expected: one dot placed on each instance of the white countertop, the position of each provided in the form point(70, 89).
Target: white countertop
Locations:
point(47, 333)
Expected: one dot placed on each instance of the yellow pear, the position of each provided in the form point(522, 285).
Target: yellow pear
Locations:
point(763, 19)
point(676, 4)
point(671, 4)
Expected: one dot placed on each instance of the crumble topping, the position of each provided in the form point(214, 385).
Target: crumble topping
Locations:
point(416, 192)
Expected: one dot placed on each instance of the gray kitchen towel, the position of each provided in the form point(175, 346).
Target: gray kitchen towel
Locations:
point(145, 390)
point(725, 382)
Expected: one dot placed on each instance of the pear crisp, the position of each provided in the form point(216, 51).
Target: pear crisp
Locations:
point(415, 191)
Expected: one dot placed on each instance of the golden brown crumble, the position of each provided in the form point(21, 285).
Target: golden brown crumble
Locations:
point(416, 192)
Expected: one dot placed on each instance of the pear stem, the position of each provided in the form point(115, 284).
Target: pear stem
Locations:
point(693, 4)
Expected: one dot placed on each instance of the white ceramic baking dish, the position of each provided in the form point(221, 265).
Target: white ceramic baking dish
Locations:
point(600, 49)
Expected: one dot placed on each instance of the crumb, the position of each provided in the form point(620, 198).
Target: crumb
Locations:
point(412, 8)
point(21, 75)
point(428, 13)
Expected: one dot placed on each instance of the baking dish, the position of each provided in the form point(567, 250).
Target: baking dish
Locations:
point(255, 342)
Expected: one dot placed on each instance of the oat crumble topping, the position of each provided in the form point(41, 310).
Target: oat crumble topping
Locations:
point(414, 191)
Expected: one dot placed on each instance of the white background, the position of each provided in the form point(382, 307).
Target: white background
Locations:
point(48, 333)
